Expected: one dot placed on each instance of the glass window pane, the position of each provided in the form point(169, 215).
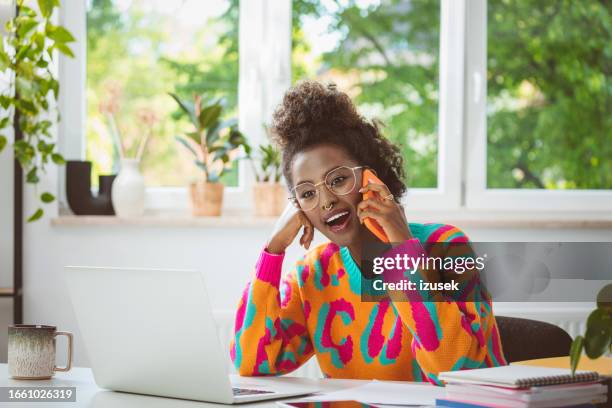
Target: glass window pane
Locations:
point(137, 52)
point(548, 111)
point(384, 54)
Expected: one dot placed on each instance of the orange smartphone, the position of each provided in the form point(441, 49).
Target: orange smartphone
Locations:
point(372, 225)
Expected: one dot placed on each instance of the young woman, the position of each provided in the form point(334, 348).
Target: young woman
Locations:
point(317, 309)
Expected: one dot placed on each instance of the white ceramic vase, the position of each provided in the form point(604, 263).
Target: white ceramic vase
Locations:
point(128, 192)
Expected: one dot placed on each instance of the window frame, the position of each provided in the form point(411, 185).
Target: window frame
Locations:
point(258, 92)
point(265, 73)
point(478, 195)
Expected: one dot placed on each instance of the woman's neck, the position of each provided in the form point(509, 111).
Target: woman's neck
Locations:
point(356, 248)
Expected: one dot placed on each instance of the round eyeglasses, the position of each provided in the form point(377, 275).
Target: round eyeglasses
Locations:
point(340, 181)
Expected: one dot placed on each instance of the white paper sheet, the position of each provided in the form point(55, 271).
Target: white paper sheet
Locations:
point(385, 392)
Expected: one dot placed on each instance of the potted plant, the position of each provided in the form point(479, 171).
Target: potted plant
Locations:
point(26, 55)
point(598, 337)
point(215, 143)
point(269, 195)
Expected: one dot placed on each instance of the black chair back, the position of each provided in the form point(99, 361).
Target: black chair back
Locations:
point(524, 339)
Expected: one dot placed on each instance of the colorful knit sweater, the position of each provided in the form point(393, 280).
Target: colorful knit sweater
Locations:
point(317, 310)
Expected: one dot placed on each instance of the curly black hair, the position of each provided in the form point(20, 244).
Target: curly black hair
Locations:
point(312, 114)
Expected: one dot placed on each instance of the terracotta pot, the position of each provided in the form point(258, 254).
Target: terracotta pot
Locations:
point(206, 198)
point(270, 199)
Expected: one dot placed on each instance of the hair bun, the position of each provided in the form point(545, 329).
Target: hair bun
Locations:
point(309, 106)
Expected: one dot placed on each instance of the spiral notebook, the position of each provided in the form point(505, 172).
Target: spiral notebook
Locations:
point(518, 376)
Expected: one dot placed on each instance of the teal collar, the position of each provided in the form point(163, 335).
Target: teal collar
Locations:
point(349, 264)
point(353, 271)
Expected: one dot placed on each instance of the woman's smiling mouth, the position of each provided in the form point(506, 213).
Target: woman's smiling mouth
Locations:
point(338, 221)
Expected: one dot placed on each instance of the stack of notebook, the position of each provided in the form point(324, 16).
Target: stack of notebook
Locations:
point(522, 386)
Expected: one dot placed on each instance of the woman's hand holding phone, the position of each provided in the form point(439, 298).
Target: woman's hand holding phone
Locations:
point(287, 227)
point(385, 211)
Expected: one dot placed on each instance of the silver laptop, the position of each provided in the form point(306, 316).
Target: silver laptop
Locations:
point(152, 332)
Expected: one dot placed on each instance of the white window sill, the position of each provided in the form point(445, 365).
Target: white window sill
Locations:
point(167, 219)
point(460, 218)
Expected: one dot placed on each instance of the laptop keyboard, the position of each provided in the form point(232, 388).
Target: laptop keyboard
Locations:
point(245, 391)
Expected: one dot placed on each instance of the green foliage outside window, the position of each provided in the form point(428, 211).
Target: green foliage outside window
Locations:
point(550, 115)
point(548, 77)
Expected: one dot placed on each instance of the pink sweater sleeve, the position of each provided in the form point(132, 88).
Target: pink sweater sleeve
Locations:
point(270, 336)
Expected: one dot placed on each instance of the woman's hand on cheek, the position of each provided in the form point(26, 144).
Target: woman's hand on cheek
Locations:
point(287, 227)
point(389, 214)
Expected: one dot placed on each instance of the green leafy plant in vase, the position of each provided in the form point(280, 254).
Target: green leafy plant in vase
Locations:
point(269, 195)
point(215, 144)
point(597, 339)
point(27, 54)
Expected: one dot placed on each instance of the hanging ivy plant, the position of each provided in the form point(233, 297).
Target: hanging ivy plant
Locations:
point(26, 54)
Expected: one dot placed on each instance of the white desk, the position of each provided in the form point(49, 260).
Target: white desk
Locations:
point(88, 394)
